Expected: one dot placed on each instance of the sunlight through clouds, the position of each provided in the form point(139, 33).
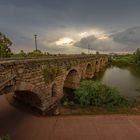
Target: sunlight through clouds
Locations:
point(65, 41)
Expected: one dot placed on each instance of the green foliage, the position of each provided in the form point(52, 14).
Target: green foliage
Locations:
point(5, 44)
point(20, 54)
point(96, 94)
point(127, 59)
point(50, 73)
point(68, 65)
point(35, 53)
point(5, 137)
point(82, 53)
point(137, 56)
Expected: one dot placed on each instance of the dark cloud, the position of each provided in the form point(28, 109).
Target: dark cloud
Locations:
point(96, 44)
point(84, 42)
point(127, 40)
point(128, 37)
point(53, 19)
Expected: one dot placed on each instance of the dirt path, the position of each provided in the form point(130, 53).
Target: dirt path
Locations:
point(22, 126)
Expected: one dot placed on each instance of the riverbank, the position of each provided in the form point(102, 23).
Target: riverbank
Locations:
point(91, 110)
point(74, 109)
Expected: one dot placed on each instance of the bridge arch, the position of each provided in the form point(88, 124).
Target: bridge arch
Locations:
point(71, 82)
point(72, 79)
point(29, 94)
point(101, 61)
point(97, 65)
point(89, 71)
point(28, 97)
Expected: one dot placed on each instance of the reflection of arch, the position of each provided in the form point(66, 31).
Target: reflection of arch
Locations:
point(72, 79)
point(89, 71)
point(54, 90)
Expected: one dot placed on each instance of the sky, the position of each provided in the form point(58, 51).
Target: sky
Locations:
point(72, 26)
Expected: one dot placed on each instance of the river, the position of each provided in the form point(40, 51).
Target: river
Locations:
point(125, 78)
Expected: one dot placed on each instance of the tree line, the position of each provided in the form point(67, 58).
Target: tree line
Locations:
point(5, 49)
point(6, 43)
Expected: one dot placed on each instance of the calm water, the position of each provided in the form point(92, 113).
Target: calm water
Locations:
point(126, 79)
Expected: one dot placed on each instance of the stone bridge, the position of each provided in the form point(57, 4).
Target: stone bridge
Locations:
point(40, 82)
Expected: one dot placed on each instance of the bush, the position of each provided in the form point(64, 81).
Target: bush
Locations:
point(5, 137)
point(124, 59)
point(50, 73)
point(96, 94)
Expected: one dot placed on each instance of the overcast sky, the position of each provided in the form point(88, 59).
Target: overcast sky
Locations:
point(70, 26)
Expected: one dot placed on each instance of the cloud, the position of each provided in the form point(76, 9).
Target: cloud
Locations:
point(128, 37)
point(127, 40)
point(96, 43)
point(52, 20)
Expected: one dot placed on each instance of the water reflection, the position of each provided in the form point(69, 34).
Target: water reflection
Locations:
point(125, 78)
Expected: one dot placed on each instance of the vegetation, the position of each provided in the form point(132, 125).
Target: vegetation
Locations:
point(137, 57)
point(5, 44)
point(35, 53)
point(128, 59)
point(5, 137)
point(50, 73)
point(94, 93)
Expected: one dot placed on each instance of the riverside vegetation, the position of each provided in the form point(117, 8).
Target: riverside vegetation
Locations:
point(93, 97)
point(6, 137)
point(95, 94)
point(128, 59)
point(99, 95)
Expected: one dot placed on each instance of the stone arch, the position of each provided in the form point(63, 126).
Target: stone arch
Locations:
point(89, 71)
point(28, 97)
point(72, 79)
point(97, 65)
point(101, 61)
point(29, 94)
point(97, 62)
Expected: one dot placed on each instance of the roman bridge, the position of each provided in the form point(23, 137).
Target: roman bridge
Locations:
point(39, 82)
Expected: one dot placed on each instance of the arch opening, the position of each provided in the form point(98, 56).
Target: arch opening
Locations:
point(97, 62)
point(89, 71)
point(97, 65)
point(70, 84)
point(28, 98)
point(72, 79)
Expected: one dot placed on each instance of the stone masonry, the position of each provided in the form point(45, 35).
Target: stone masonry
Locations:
point(40, 82)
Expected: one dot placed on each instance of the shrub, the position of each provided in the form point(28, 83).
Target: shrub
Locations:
point(96, 94)
point(50, 73)
point(5, 137)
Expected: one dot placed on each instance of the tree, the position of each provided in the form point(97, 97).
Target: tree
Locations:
point(5, 44)
point(35, 53)
point(137, 56)
point(97, 53)
point(20, 54)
